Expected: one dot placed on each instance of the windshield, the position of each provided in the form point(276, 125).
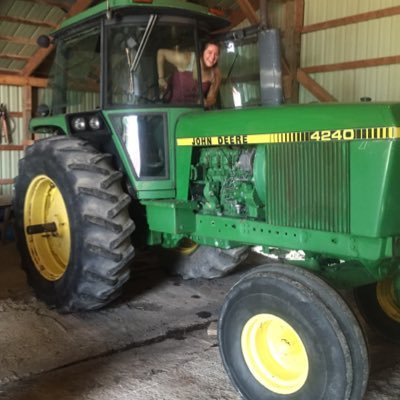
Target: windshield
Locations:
point(132, 77)
point(74, 80)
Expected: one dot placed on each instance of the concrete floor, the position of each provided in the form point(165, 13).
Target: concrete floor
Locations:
point(154, 343)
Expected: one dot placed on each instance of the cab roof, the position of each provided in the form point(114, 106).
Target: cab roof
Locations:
point(170, 7)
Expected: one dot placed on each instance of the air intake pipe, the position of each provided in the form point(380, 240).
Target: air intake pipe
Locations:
point(270, 67)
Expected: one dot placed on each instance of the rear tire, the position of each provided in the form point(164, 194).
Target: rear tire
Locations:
point(193, 261)
point(286, 334)
point(377, 305)
point(83, 264)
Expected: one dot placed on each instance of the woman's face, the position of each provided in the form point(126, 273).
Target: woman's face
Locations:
point(210, 55)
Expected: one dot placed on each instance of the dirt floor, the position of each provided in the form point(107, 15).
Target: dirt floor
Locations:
point(156, 342)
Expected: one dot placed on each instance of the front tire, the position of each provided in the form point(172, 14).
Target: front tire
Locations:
point(73, 227)
point(286, 334)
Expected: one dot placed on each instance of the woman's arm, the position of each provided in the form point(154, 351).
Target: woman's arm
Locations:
point(162, 55)
point(176, 58)
point(212, 94)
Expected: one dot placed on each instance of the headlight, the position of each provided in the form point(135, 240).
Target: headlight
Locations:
point(78, 124)
point(95, 123)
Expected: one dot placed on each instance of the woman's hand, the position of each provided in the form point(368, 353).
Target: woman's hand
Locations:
point(162, 84)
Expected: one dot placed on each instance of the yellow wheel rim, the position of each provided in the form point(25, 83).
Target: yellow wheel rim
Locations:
point(274, 354)
point(387, 299)
point(186, 247)
point(44, 204)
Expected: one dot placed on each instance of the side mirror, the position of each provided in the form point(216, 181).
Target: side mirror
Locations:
point(43, 41)
point(43, 110)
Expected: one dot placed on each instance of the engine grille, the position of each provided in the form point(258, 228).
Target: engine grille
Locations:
point(308, 185)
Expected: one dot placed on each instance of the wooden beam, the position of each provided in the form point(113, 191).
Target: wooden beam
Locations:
point(15, 57)
point(6, 181)
point(78, 6)
point(11, 147)
point(27, 111)
point(26, 21)
point(352, 19)
point(294, 16)
point(288, 50)
point(36, 60)
point(15, 114)
point(314, 87)
point(236, 17)
point(264, 13)
point(41, 54)
point(17, 80)
point(372, 62)
point(19, 40)
point(299, 16)
point(5, 71)
point(299, 9)
point(248, 11)
point(64, 6)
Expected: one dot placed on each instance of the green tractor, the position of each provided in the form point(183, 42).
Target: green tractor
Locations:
point(120, 163)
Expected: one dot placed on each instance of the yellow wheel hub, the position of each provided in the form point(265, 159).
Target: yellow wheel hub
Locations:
point(274, 353)
point(50, 251)
point(387, 299)
point(186, 247)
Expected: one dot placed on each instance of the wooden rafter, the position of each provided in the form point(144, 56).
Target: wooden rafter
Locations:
point(12, 147)
point(41, 54)
point(27, 111)
point(78, 6)
point(8, 181)
point(295, 13)
point(64, 6)
point(314, 87)
point(18, 40)
point(352, 19)
point(238, 16)
point(17, 80)
point(36, 60)
point(248, 10)
point(15, 57)
point(28, 21)
point(299, 15)
point(372, 62)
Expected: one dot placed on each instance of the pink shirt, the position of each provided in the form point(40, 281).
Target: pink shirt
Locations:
point(185, 88)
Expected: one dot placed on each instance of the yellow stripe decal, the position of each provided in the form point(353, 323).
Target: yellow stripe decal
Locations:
point(289, 137)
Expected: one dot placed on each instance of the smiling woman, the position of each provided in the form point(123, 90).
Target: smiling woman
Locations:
point(184, 81)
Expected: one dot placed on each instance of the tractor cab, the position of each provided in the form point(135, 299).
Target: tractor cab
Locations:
point(108, 57)
point(116, 61)
point(104, 84)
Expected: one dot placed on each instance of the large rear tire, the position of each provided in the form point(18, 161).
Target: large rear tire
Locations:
point(73, 227)
point(192, 261)
point(286, 334)
point(378, 305)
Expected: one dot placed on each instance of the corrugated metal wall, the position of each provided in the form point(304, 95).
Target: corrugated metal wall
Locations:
point(358, 41)
point(77, 101)
point(11, 96)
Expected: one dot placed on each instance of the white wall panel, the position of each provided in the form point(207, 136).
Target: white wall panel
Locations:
point(11, 96)
point(354, 42)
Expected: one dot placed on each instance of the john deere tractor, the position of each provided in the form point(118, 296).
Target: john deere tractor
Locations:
point(119, 162)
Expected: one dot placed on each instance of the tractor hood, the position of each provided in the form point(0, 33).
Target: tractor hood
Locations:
point(288, 119)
